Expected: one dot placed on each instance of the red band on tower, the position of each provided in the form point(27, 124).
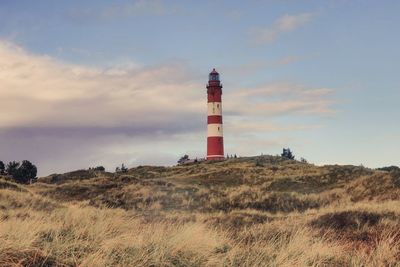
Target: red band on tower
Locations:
point(215, 139)
point(214, 119)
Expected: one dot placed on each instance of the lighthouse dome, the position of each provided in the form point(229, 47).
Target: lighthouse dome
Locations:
point(214, 75)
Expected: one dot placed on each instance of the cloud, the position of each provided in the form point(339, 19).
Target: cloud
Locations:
point(245, 127)
point(278, 99)
point(284, 24)
point(255, 66)
point(44, 92)
point(66, 116)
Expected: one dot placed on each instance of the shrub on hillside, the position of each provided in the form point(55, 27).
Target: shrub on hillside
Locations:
point(122, 168)
point(259, 163)
point(183, 159)
point(12, 167)
point(23, 172)
point(389, 169)
point(2, 167)
point(303, 160)
point(100, 168)
point(287, 154)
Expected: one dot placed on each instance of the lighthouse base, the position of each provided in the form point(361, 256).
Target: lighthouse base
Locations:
point(215, 148)
point(215, 157)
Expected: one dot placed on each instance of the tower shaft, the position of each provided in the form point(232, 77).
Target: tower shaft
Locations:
point(215, 139)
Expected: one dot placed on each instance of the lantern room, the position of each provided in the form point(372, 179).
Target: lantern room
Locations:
point(214, 76)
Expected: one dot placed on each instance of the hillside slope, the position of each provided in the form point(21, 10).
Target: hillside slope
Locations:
point(263, 183)
point(256, 211)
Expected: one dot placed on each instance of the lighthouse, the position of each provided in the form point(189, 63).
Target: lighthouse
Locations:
point(215, 139)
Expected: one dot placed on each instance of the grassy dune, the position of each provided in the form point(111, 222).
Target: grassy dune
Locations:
point(260, 211)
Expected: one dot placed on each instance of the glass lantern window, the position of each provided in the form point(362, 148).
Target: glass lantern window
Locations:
point(214, 77)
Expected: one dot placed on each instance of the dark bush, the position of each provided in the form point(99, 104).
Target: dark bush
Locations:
point(389, 169)
point(183, 159)
point(100, 168)
point(259, 163)
point(303, 160)
point(287, 154)
point(22, 173)
point(2, 167)
point(12, 168)
point(122, 168)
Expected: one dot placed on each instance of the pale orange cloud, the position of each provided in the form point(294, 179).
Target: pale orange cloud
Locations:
point(280, 99)
point(41, 91)
point(286, 23)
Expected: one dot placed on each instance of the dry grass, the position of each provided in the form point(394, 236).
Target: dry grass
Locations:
point(279, 214)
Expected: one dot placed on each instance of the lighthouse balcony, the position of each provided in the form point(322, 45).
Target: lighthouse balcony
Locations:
point(214, 83)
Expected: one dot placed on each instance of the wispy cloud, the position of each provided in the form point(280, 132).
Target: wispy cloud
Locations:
point(284, 24)
point(278, 99)
point(246, 127)
point(255, 66)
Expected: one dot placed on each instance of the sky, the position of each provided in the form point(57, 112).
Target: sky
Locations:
point(96, 82)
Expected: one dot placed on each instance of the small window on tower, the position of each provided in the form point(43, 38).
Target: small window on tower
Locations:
point(217, 105)
point(218, 129)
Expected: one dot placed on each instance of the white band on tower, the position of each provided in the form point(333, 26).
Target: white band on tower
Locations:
point(214, 129)
point(214, 108)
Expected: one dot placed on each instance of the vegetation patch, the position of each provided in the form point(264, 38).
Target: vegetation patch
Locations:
point(4, 184)
point(350, 220)
point(288, 184)
point(272, 202)
point(396, 178)
point(72, 176)
point(236, 220)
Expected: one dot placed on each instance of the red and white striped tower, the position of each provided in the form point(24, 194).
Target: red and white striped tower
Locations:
point(215, 139)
